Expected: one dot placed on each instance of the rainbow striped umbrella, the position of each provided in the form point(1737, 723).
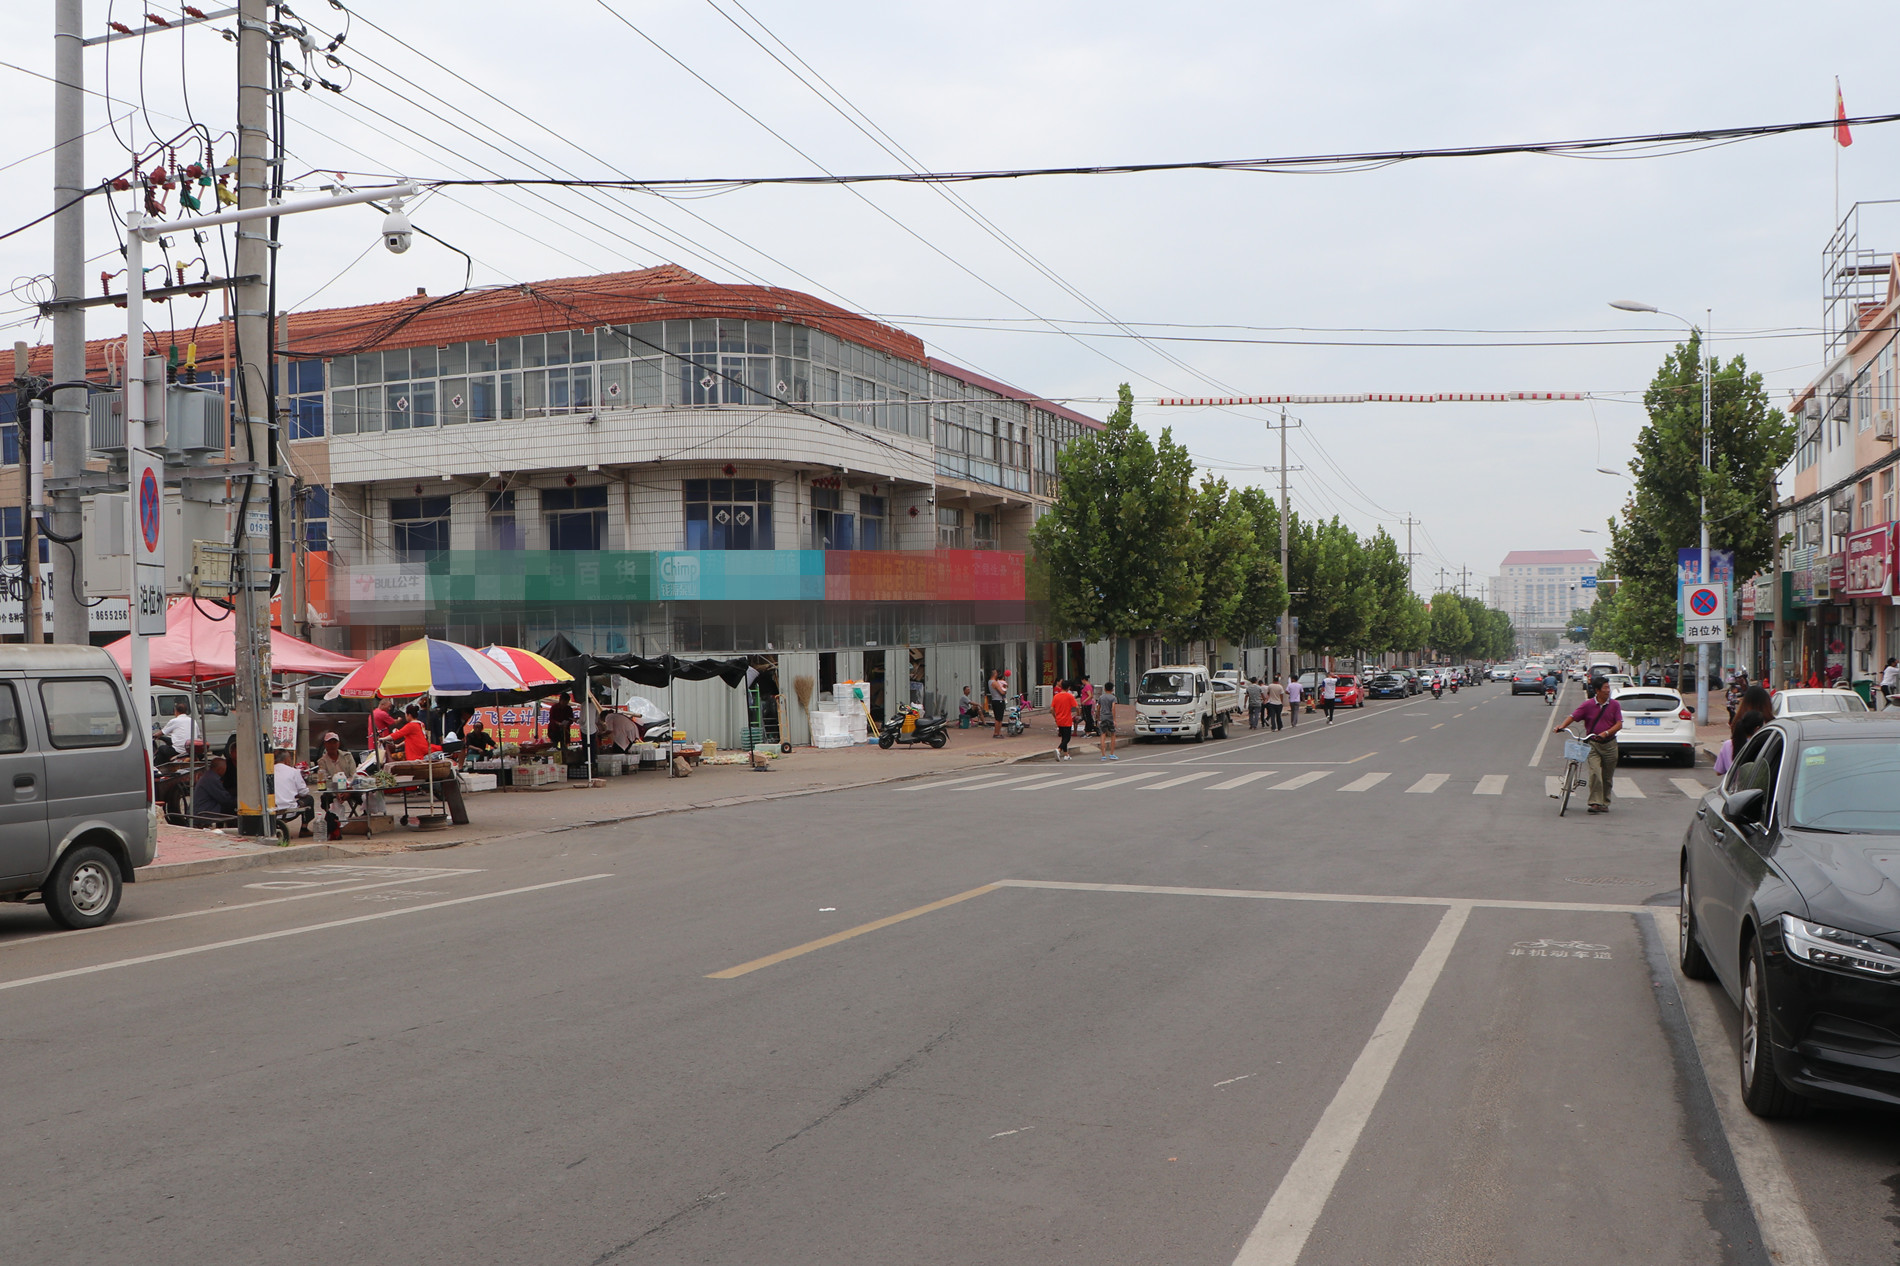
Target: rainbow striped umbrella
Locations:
point(426, 667)
point(534, 670)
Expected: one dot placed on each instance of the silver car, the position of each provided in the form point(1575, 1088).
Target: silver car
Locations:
point(76, 814)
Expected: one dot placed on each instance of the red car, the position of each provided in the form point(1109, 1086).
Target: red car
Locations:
point(1347, 692)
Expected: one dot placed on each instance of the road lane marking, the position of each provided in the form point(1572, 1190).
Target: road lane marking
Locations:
point(1408, 738)
point(1176, 782)
point(1688, 787)
point(1490, 785)
point(1063, 782)
point(1537, 757)
point(1553, 785)
point(1786, 1233)
point(732, 973)
point(1355, 760)
point(1349, 898)
point(1126, 779)
point(251, 905)
point(1629, 790)
point(1428, 784)
point(1365, 783)
point(1294, 784)
point(1243, 780)
point(1289, 1217)
point(1439, 726)
point(397, 913)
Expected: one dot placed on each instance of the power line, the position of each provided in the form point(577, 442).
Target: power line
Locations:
point(1592, 146)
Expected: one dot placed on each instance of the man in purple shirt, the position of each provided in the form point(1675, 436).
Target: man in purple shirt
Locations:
point(1602, 717)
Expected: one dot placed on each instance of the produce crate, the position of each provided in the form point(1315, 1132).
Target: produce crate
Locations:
point(539, 775)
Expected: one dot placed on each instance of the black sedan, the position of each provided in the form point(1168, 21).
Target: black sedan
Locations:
point(1791, 899)
point(1386, 686)
point(1530, 681)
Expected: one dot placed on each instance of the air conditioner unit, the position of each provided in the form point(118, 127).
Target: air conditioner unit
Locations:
point(1883, 426)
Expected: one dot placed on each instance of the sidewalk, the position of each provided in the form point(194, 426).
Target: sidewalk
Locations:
point(506, 814)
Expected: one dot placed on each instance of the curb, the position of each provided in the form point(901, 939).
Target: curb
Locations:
point(246, 861)
point(330, 852)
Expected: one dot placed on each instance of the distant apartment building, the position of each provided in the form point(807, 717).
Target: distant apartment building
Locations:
point(1539, 588)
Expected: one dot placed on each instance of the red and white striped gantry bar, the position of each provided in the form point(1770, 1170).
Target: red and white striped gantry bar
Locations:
point(1382, 397)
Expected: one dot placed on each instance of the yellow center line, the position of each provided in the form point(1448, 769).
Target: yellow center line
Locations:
point(1368, 756)
point(769, 960)
point(1408, 738)
point(1439, 726)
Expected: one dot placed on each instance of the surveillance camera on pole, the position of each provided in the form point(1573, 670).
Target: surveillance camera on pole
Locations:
point(397, 235)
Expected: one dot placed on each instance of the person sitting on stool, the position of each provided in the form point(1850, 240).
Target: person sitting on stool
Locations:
point(210, 798)
point(293, 793)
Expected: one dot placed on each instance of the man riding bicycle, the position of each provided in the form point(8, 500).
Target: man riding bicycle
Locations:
point(1602, 717)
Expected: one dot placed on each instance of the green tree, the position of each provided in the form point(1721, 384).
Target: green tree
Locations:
point(1115, 553)
point(1748, 443)
point(1398, 618)
point(1263, 591)
point(1224, 553)
point(1451, 626)
point(1330, 592)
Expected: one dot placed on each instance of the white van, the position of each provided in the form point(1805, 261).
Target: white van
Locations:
point(1182, 701)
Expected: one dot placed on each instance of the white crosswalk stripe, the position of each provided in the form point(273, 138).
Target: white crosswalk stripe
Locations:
point(1124, 781)
point(1688, 787)
point(1365, 782)
point(975, 784)
point(1063, 782)
point(1242, 781)
point(1490, 785)
point(1553, 785)
point(1176, 782)
point(1428, 784)
point(1294, 784)
point(1628, 790)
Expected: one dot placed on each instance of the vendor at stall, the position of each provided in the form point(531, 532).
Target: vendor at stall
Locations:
point(479, 742)
point(333, 760)
point(410, 737)
point(618, 732)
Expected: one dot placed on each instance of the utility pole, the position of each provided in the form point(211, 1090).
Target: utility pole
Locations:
point(1284, 653)
point(1410, 523)
point(1702, 648)
point(251, 379)
point(1441, 579)
point(1464, 574)
point(25, 389)
point(71, 414)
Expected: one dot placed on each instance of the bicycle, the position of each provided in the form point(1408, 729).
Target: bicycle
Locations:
point(1576, 769)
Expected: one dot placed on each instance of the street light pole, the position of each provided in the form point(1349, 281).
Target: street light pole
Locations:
point(1702, 500)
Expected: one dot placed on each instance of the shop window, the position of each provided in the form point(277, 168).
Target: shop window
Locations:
point(420, 527)
point(576, 517)
point(728, 514)
point(1886, 496)
point(950, 532)
point(985, 531)
point(1866, 503)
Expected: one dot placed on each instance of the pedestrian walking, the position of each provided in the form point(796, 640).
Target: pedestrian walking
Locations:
point(1732, 698)
point(998, 692)
point(1294, 693)
point(1085, 701)
point(1602, 717)
point(1256, 703)
point(1105, 719)
point(1328, 695)
point(1275, 696)
point(1890, 685)
point(1062, 710)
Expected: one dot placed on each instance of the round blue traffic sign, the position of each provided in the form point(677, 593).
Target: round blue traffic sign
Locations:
point(149, 510)
point(1703, 602)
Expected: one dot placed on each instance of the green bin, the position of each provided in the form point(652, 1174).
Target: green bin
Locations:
point(1865, 689)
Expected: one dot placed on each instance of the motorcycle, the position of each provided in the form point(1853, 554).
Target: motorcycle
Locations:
point(1550, 695)
point(1438, 690)
point(1454, 685)
point(911, 726)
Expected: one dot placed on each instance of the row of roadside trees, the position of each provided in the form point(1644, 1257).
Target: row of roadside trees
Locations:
point(1134, 547)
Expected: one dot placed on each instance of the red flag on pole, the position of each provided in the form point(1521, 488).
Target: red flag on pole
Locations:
point(1843, 135)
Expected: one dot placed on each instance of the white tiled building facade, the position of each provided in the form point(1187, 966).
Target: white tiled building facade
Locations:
point(1539, 588)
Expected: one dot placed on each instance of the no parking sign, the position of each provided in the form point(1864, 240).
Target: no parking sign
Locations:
point(148, 545)
point(1704, 613)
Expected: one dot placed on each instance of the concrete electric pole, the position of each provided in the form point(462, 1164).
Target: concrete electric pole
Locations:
point(71, 413)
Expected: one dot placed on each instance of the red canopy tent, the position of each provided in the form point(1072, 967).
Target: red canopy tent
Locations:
point(198, 647)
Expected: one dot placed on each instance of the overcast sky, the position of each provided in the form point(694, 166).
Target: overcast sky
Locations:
point(1509, 244)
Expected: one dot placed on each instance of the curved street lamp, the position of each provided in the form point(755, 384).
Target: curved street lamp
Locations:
point(1702, 648)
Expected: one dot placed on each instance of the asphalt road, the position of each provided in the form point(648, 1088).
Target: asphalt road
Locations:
point(1344, 994)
